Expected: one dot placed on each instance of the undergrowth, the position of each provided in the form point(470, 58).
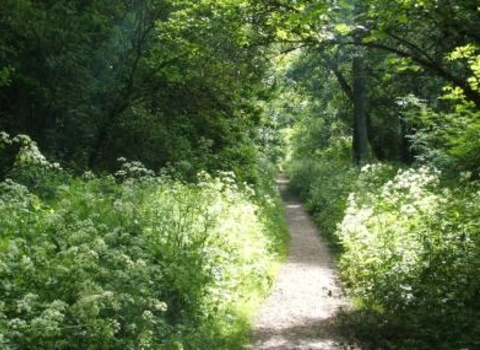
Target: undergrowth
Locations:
point(132, 260)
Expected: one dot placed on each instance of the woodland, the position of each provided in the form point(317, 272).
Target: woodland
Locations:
point(140, 140)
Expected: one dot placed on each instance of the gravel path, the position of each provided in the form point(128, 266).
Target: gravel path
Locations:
point(300, 312)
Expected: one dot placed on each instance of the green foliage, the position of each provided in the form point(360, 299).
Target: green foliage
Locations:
point(324, 182)
point(324, 187)
point(411, 254)
point(408, 247)
point(447, 140)
point(23, 161)
point(5, 76)
point(407, 236)
point(159, 81)
point(132, 260)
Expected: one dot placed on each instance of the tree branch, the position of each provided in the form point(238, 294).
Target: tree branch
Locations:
point(430, 65)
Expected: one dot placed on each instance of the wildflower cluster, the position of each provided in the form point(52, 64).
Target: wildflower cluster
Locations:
point(384, 233)
point(142, 263)
point(29, 167)
point(411, 249)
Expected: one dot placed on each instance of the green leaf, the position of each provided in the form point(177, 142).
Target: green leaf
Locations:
point(343, 28)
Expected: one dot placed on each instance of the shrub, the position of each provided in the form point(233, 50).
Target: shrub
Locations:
point(132, 260)
point(447, 140)
point(411, 253)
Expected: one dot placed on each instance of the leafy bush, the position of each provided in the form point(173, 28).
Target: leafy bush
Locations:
point(409, 245)
point(132, 261)
point(412, 252)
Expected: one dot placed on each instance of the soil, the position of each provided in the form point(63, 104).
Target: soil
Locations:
point(301, 311)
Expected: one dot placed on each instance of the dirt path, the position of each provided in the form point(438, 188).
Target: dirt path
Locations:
point(300, 312)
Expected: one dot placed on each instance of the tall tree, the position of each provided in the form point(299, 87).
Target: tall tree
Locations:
point(408, 39)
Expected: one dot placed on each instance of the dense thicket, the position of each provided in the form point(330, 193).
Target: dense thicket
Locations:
point(131, 260)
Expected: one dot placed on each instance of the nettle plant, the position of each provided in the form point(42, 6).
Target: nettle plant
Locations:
point(128, 261)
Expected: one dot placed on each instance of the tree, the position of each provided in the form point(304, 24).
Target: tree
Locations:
point(162, 81)
point(406, 39)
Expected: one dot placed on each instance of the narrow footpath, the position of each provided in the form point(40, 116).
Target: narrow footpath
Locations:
point(301, 310)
